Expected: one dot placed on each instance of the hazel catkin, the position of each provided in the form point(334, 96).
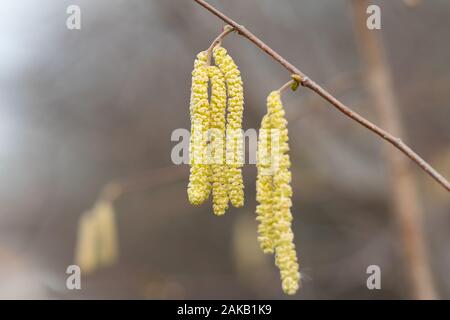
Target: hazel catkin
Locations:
point(217, 136)
point(234, 140)
point(97, 241)
point(199, 186)
point(264, 189)
point(274, 208)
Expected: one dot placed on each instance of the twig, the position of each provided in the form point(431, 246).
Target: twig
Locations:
point(308, 83)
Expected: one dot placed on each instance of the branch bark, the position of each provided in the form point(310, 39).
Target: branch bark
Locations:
point(406, 206)
point(310, 84)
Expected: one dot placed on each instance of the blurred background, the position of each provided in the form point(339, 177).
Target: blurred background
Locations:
point(80, 109)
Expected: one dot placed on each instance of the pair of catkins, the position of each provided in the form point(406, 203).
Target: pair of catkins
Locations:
point(216, 157)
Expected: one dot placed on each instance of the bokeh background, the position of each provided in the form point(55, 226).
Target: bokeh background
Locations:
point(82, 108)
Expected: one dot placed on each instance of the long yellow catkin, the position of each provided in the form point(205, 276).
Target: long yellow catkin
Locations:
point(279, 232)
point(199, 186)
point(234, 141)
point(218, 106)
point(264, 189)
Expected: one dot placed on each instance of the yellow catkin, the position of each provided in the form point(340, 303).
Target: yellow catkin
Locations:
point(105, 217)
point(97, 243)
point(234, 141)
point(285, 254)
point(264, 189)
point(86, 248)
point(275, 203)
point(218, 106)
point(199, 186)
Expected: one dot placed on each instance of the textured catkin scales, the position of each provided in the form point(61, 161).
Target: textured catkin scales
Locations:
point(264, 189)
point(218, 106)
point(234, 141)
point(285, 254)
point(275, 220)
point(199, 186)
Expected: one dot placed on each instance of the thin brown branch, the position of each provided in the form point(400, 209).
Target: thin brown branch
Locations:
point(308, 83)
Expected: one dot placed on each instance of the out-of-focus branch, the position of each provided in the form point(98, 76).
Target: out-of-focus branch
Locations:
point(404, 197)
point(146, 180)
point(97, 232)
point(308, 83)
